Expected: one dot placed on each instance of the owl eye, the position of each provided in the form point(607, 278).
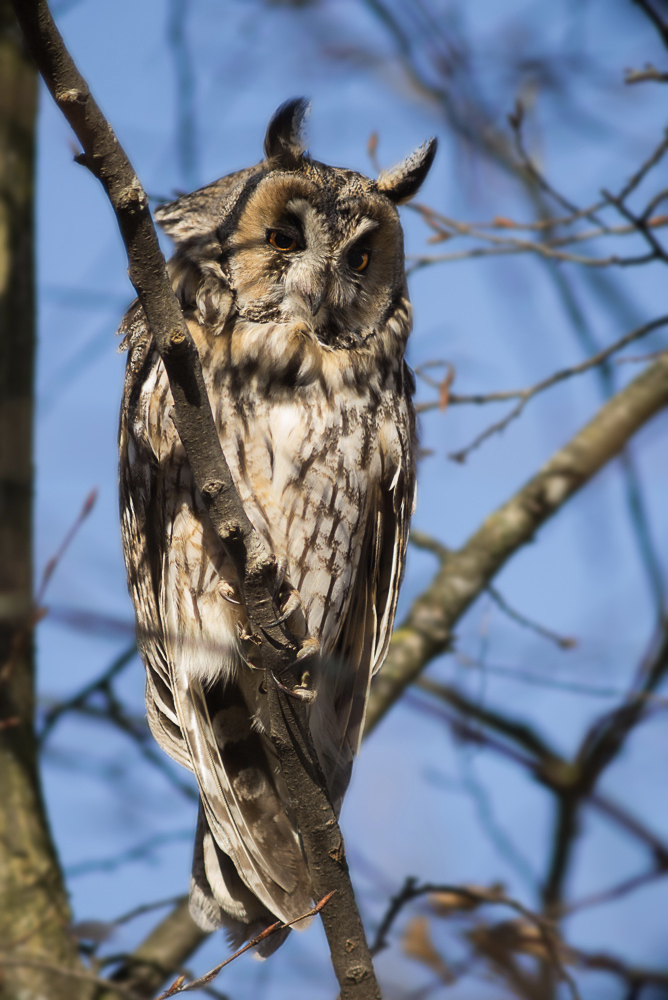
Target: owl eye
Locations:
point(282, 241)
point(358, 260)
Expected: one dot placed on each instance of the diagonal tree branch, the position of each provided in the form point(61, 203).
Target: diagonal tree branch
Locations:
point(426, 632)
point(193, 418)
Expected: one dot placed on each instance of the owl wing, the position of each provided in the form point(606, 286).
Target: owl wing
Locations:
point(367, 627)
point(140, 527)
point(337, 720)
point(176, 570)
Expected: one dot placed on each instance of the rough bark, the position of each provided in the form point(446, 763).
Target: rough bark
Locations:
point(34, 913)
point(324, 848)
point(193, 418)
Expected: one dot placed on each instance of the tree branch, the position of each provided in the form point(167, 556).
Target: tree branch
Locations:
point(446, 898)
point(657, 21)
point(193, 418)
point(160, 955)
point(34, 910)
point(426, 632)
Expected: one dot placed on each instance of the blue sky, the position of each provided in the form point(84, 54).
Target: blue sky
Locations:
point(419, 803)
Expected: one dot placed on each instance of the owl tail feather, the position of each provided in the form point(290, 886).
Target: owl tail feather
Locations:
point(219, 898)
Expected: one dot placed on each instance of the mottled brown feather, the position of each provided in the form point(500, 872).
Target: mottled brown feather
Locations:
point(314, 414)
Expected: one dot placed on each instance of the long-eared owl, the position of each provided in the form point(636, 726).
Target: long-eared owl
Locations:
point(291, 279)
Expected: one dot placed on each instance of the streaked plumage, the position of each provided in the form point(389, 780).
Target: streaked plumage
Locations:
point(302, 351)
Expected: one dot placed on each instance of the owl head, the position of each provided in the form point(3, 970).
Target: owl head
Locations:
point(292, 239)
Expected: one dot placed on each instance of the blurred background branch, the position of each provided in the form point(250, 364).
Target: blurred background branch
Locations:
point(522, 759)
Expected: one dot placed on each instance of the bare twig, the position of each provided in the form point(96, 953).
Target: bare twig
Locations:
point(619, 815)
point(423, 541)
point(100, 684)
point(518, 732)
point(180, 986)
point(543, 679)
point(657, 21)
point(616, 892)
point(474, 897)
point(606, 737)
point(639, 175)
point(143, 850)
point(642, 75)
point(640, 224)
point(524, 395)
point(562, 641)
point(551, 247)
point(139, 911)
point(635, 976)
point(54, 561)
point(441, 223)
point(515, 120)
point(24, 631)
point(510, 248)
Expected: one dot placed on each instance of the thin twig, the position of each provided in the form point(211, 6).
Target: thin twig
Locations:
point(640, 224)
point(447, 228)
point(550, 224)
point(55, 560)
point(562, 641)
point(423, 541)
point(616, 892)
point(657, 21)
point(515, 120)
point(477, 897)
point(139, 911)
point(642, 75)
point(180, 985)
point(101, 683)
point(524, 395)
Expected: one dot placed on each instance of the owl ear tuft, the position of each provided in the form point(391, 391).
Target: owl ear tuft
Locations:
point(284, 141)
point(400, 183)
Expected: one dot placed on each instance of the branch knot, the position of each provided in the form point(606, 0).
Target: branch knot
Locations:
point(132, 198)
point(72, 96)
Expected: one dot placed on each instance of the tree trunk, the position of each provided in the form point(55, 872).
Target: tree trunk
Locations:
point(34, 912)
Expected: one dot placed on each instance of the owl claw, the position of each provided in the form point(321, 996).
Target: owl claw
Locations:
point(309, 647)
point(292, 604)
point(279, 577)
point(300, 692)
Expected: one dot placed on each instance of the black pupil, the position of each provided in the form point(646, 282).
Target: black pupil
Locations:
point(283, 241)
point(356, 259)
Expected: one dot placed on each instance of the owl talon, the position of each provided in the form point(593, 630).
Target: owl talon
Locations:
point(292, 604)
point(305, 694)
point(309, 647)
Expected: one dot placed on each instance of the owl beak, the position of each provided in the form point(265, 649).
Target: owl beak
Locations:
point(315, 300)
